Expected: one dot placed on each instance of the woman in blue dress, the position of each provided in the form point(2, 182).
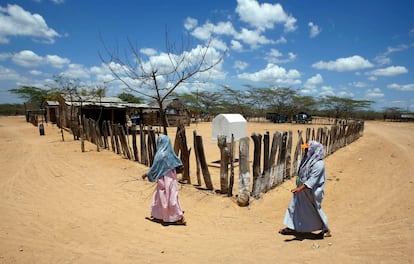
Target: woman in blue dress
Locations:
point(305, 213)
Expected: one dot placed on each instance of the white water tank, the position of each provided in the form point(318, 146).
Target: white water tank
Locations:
point(227, 124)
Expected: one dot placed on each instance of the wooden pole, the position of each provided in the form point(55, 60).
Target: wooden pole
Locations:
point(231, 159)
point(134, 142)
point(144, 151)
point(266, 168)
point(181, 142)
point(197, 158)
point(203, 163)
point(297, 156)
point(244, 172)
point(257, 140)
point(82, 137)
point(272, 160)
point(224, 163)
point(288, 159)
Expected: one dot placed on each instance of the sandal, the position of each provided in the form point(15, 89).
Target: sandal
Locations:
point(327, 233)
point(287, 231)
point(181, 222)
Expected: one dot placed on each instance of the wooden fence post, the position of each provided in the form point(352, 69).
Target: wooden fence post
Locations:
point(266, 167)
point(182, 148)
point(288, 158)
point(152, 146)
point(134, 142)
point(231, 158)
point(144, 151)
point(257, 140)
point(272, 160)
point(196, 158)
point(203, 163)
point(224, 163)
point(297, 156)
point(244, 173)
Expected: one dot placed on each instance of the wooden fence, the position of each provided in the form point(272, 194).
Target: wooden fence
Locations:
point(279, 154)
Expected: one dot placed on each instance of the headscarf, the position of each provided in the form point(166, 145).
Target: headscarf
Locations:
point(314, 154)
point(165, 159)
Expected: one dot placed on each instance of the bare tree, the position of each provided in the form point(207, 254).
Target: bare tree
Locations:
point(157, 76)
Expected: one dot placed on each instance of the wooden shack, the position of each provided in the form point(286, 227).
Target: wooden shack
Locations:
point(52, 109)
point(175, 111)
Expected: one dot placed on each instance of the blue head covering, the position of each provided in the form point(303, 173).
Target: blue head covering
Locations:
point(165, 159)
point(314, 154)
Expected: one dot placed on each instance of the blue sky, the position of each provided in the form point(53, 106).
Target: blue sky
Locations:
point(362, 50)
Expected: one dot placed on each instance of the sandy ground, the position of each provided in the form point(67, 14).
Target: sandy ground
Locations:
point(59, 205)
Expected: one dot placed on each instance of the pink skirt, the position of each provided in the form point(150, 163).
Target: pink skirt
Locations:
point(165, 205)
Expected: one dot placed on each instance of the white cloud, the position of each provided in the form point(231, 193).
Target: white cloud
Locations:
point(205, 31)
point(15, 21)
point(358, 84)
point(190, 23)
point(275, 56)
point(327, 91)
point(264, 16)
point(241, 65)
point(344, 64)
point(35, 72)
point(8, 74)
point(313, 81)
point(236, 45)
point(281, 40)
point(76, 71)
point(374, 93)
point(56, 61)
point(5, 56)
point(344, 94)
point(383, 59)
point(253, 38)
point(273, 74)
point(389, 71)
point(27, 58)
point(148, 51)
point(218, 44)
point(314, 30)
point(400, 87)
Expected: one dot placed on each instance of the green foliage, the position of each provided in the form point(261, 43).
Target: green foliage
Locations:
point(35, 97)
point(343, 107)
point(11, 109)
point(257, 101)
point(130, 98)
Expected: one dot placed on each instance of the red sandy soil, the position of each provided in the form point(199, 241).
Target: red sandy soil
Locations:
point(59, 205)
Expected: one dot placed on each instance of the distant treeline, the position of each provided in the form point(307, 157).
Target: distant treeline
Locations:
point(12, 109)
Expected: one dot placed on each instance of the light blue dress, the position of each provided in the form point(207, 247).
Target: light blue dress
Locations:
point(305, 213)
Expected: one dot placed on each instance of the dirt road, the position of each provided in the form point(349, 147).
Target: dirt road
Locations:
point(59, 205)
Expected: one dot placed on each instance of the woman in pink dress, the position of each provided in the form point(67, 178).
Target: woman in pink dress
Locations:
point(165, 206)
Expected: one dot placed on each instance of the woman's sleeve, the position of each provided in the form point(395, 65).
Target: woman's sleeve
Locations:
point(315, 174)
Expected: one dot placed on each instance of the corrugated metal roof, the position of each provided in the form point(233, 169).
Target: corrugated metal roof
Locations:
point(52, 103)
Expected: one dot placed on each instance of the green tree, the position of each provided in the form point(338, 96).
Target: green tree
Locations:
point(34, 96)
point(130, 98)
point(343, 107)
